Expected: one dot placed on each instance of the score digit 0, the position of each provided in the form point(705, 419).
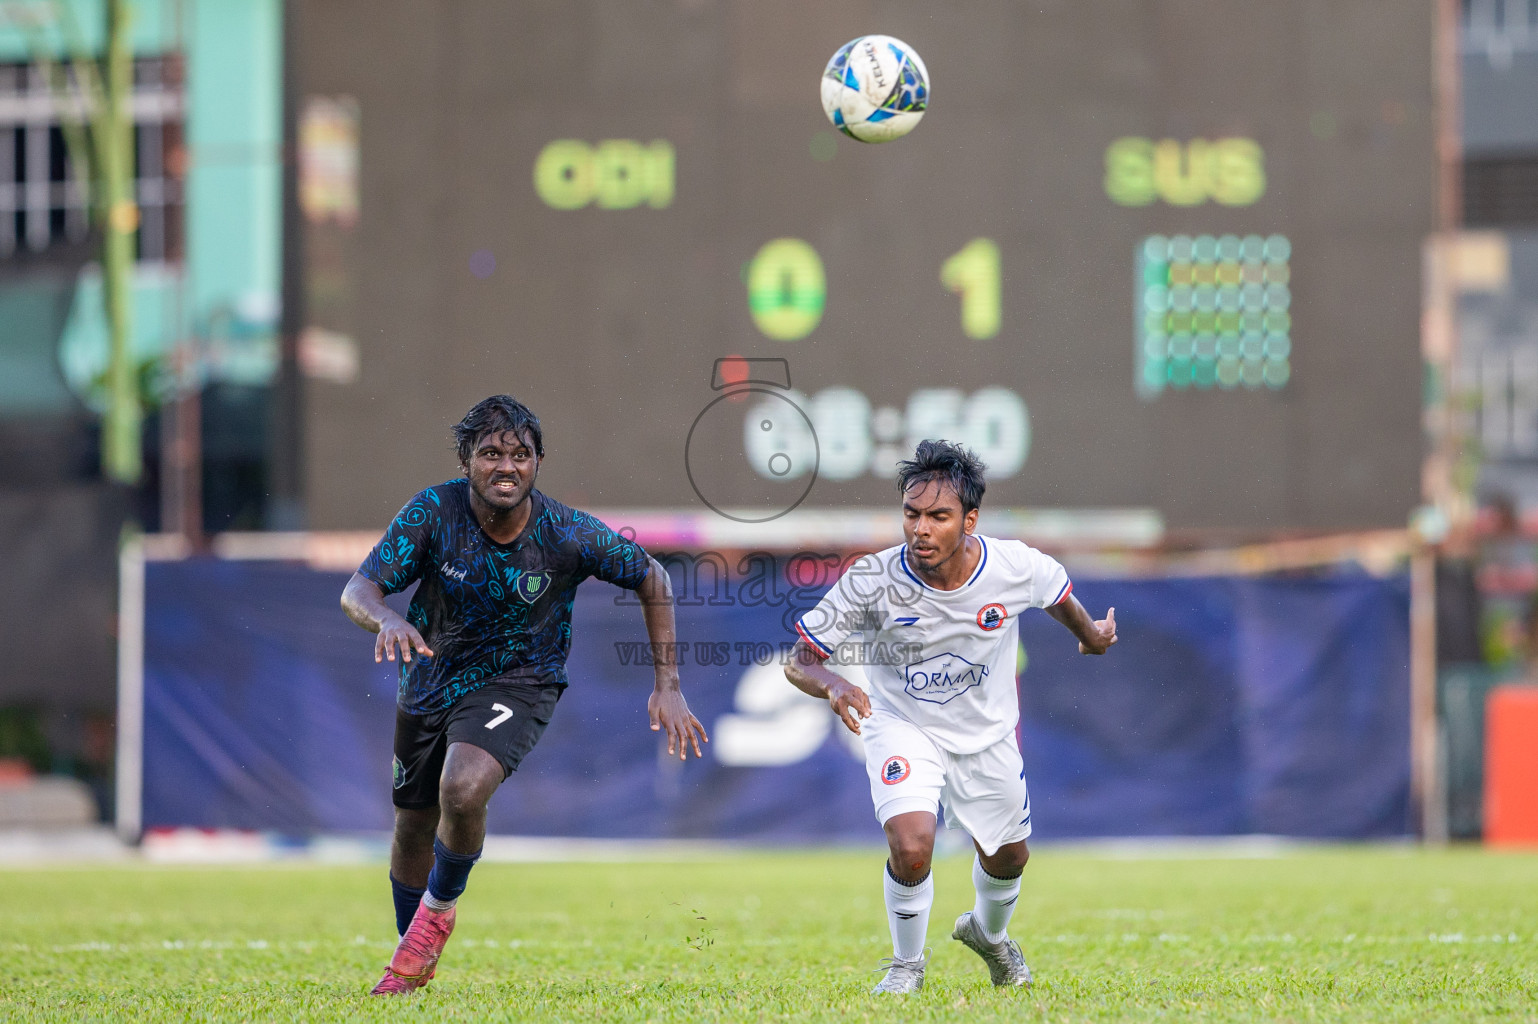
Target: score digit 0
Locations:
point(787, 288)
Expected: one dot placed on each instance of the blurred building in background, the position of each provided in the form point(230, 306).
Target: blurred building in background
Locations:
point(1498, 321)
point(1488, 578)
point(207, 127)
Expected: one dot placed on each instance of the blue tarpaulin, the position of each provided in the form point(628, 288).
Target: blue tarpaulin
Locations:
point(1230, 706)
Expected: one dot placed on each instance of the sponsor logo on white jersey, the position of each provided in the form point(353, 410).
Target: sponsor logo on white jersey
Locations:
point(942, 678)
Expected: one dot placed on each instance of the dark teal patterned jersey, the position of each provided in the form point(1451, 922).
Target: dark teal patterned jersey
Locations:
point(488, 610)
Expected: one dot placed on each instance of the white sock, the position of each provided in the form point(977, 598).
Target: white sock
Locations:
point(907, 914)
point(436, 905)
point(995, 902)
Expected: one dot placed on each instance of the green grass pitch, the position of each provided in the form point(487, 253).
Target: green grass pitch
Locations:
point(1352, 934)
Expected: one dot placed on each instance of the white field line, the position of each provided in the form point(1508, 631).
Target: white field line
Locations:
point(23, 849)
point(361, 941)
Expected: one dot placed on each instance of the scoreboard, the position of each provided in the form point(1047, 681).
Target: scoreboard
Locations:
point(1143, 254)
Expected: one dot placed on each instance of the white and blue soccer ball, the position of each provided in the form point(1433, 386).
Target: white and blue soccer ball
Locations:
point(875, 89)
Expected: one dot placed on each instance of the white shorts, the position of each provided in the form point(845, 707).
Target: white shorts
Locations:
point(983, 793)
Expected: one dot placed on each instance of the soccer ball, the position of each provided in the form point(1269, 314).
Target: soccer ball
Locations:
point(875, 89)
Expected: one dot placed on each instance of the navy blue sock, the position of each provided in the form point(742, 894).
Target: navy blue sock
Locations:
point(406, 899)
point(451, 871)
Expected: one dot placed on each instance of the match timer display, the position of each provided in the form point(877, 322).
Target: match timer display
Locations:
point(591, 204)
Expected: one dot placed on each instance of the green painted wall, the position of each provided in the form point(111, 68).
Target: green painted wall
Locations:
point(234, 185)
point(227, 293)
point(33, 309)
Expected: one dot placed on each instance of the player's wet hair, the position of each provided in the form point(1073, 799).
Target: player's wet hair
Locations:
point(949, 463)
point(495, 415)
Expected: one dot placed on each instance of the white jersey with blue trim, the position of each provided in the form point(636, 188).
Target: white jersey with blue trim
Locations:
point(942, 659)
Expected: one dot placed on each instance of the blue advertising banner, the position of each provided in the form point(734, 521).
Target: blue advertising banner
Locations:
point(1230, 706)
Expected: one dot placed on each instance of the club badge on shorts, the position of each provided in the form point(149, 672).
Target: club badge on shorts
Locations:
point(894, 771)
point(400, 773)
point(992, 616)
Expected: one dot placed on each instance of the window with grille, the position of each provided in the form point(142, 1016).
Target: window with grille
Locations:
point(42, 203)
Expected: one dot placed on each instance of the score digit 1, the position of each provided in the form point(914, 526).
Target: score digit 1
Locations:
point(973, 273)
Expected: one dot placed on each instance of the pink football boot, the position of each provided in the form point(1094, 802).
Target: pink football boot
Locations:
point(416, 958)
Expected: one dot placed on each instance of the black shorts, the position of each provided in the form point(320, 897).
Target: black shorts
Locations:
point(505, 719)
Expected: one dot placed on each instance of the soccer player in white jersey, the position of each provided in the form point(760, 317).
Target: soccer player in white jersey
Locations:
point(938, 617)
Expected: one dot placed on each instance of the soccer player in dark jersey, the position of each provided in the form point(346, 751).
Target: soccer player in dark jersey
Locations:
point(483, 652)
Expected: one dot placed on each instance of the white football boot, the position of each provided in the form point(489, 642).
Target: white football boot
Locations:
point(902, 976)
point(1006, 964)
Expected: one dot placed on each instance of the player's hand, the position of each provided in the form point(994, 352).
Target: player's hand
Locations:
point(1105, 630)
point(669, 711)
point(849, 703)
point(395, 632)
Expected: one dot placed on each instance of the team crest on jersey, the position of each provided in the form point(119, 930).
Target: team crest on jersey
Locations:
point(894, 771)
point(992, 616)
point(400, 773)
point(532, 585)
point(943, 678)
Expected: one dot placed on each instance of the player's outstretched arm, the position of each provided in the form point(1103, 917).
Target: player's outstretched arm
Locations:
point(1095, 637)
point(364, 603)
point(668, 710)
point(807, 673)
